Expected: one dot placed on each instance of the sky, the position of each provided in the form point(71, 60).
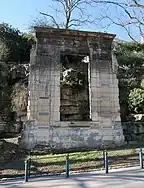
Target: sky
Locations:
point(21, 13)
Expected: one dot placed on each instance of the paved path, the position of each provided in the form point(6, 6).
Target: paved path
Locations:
point(130, 178)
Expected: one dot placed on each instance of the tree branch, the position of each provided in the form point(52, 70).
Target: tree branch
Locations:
point(123, 26)
point(136, 4)
point(53, 19)
point(121, 5)
point(131, 14)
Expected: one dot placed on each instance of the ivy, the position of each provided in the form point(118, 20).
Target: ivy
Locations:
point(130, 58)
point(14, 46)
point(136, 100)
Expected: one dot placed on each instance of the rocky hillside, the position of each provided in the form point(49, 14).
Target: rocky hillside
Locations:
point(14, 70)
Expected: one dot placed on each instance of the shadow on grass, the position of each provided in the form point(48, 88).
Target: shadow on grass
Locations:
point(11, 160)
point(14, 165)
point(85, 164)
point(129, 158)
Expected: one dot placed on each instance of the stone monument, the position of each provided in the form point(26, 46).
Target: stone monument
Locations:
point(62, 116)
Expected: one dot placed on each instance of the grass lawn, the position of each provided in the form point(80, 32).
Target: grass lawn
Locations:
point(84, 161)
point(79, 161)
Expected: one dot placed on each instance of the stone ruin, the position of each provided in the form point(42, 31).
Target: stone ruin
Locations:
point(73, 92)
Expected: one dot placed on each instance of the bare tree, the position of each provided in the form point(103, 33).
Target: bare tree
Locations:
point(73, 12)
point(128, 14)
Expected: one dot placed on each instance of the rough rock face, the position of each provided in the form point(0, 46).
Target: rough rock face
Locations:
point(12, 75)
point(44, 125)
point(74, 90)
point(2, 127)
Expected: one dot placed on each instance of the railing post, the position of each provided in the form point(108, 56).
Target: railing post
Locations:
point(104, 158)
point(29, 166)
point(26, 171)
point(106, 161)
point(141, 158)
point(67, 166)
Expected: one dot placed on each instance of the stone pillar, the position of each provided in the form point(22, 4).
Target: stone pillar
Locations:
point(105, 107)
point(45, 84)
point(95, 85)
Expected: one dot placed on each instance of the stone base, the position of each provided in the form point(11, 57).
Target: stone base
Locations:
point(71, 135)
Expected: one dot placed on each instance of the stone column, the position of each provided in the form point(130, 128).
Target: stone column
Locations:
point(94, 88)
point(45, 84)
point(105, 107)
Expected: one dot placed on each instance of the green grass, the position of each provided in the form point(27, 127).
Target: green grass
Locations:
point(85, 161)
point(79, 161)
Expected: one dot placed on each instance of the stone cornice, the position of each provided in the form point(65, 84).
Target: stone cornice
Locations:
point(47, 32)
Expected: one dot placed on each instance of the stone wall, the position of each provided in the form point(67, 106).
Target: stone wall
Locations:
point(71, 135)
point(2, 126)
point(133, 131)
point(44, 126)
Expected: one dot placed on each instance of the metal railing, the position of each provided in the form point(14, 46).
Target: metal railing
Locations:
point(65, 164)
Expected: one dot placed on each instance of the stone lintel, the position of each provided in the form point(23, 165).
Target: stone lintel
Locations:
point(42, 32)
